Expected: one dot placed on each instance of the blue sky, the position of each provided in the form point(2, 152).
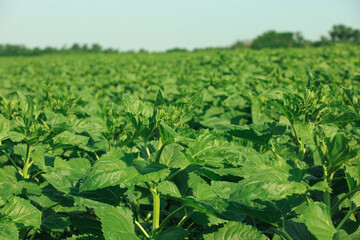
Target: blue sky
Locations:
point(158, 25)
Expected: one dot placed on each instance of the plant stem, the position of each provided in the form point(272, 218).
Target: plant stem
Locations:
point(156, 210)
point(162, 225)
point(47, 127)
point(327, 201)
point(109, 143)
point(97, 157)
point(191, 224)
point(336, 205)
point(185, 218)
point(158, 154)
point(142, 229)
point(32, 236)
point(148, 152)
point(346, 217)
point(12, 161)
point(327, 197)
point(286, 234)
point(27, 162)
point(302, 148)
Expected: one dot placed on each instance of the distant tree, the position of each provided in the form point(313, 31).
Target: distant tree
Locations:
point(344, 33)
point(341, 33)
point(85, 48)
point(110, 50)
point(36, 51)
point(238, 44)
point(324, 41)
point(96, 47)
point(21, 50)
point(273, 39)
point(75, 47)
point(50, 50)
point(356, 35)
point(177, 50)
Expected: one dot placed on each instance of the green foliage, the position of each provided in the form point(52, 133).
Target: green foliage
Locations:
point(344, 33)
point(273, 39)
point(204, 145)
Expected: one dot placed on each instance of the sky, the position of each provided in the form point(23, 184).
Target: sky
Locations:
point(157, 25)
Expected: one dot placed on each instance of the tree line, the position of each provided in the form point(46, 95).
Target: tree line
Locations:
point(269, 39)
point(273, 39)
point(21, 50)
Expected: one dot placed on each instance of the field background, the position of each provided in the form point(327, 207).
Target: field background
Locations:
point(237, 144)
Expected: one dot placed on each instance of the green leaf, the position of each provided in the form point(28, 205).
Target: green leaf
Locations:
point(168, 135)
point(341, 235)
point(16, 136)
point(136, 107)
point(318, 221)
point(22, 212)
point(298, 230)
point(196, 99)
point(292, 105)
point(20, 149)
point(246, 133)
point(85, 224)
point(334, 149)
point(56, 222)
point(201, 190)
point(159, 99)
point(84, 237)
point(223, 189)
point(236, 231)
point(110, 170)
point(117, 223)
point(8, 230)
point(168, 188)
point(39, 159)
point(69, 138)
point(153, 172)
point(172, 156)
point(261, 210)
point(65, 175)
point(173, 233)
point(4, 128)
point(103, 175)
point(209, 149)
point(306, 133)
point(321, 186)
point(266, 185)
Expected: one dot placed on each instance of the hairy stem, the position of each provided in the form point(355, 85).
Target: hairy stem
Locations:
point(337, 204)
point(346, 217)
point(12, 161)
point(33, 235)
point(162, 225)
point(182, 221)
point(327, 196)
point(287, 236)
point(159, 152)
point(148, 152)
point(27, 162)
point(142, 229)
point(156, 210)
point(109, 143)
point(302, 148)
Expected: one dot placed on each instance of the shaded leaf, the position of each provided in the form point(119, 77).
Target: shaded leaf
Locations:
point(235, 231)
point(22, 212)
point(117, 223)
